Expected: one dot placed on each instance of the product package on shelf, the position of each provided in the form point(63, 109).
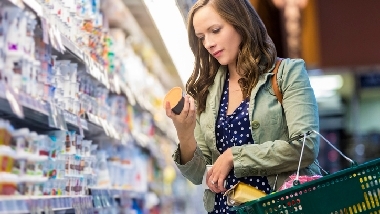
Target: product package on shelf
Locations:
point(22, 158)
point(73, 89)
point(69, 166)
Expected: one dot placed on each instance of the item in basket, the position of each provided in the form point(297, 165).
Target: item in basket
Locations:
point(241, 193)
point(301, 179)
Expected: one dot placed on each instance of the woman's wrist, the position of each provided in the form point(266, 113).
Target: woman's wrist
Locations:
point(229, 156)
point(186, 138)
point(187, 151)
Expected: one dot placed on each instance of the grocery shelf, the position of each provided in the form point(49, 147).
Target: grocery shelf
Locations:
point(41, 115)
point(38, 120)
point(26, 204)
point(94, 69)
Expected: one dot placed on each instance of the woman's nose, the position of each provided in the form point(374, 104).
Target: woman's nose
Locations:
point(209, 43)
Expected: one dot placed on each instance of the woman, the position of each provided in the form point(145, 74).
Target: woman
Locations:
point(232, 118)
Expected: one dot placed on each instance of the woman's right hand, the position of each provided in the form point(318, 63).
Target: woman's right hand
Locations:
point(184, 123)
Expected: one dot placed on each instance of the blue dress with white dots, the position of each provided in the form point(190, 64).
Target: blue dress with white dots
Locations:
point(234, 130)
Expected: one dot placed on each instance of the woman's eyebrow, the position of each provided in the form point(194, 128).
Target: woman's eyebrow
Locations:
point(199, 34)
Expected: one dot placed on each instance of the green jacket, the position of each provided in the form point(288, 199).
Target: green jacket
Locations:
point(272, 124)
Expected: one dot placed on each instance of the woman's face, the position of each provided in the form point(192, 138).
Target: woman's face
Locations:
point(219, 37)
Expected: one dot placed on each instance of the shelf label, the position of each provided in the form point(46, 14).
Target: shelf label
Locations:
point(79, 123)
point(104, 125)
point(56, 117)
point(13, 101)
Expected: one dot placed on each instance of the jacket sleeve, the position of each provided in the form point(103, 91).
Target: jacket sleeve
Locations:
point(195, 168)
point(301, 111)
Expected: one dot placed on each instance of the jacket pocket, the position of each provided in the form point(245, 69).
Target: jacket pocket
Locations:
point(209, 200)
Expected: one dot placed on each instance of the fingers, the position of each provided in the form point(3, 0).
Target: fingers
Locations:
point(216, 186)
point(192, 112)
point(186, 107)
point(213, 185)
point(188, 112)
point(220, 185)
point(215, 182)
point(210, 182)
point(168, 109)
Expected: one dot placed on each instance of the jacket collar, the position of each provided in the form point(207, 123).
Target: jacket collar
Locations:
point(216, 90)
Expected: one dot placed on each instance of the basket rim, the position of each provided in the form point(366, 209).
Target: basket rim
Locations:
point(309, 183)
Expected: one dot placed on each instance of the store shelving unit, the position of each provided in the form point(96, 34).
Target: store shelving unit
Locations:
point(42, 116)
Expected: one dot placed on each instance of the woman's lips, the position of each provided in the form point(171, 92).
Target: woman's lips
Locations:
point(217, 53)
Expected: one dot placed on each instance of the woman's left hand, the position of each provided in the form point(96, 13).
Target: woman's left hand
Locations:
point(218, 173)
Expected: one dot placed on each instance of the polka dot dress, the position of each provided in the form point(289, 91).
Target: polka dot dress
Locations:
point(234, 130)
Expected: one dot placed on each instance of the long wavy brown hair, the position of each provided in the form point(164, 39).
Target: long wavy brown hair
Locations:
point(256, 56)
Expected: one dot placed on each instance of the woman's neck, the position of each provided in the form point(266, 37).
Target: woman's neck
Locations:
point(234, 76)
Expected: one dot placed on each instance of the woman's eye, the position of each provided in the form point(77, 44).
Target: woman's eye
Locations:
point(215, 30)
point(201, 38)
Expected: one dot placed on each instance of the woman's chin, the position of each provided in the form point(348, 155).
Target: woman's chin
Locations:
point(222, 62)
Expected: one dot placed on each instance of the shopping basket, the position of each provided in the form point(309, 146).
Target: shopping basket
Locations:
point(349, 191)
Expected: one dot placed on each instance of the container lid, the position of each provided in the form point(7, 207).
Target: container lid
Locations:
point(173, 96)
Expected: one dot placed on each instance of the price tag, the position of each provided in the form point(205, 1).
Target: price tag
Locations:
point(45, 108)
point(51, 36)
point(116, 84)
point(56, 117)
point(104, 125)
point(79, 123)
point(84, 124)
point(67, 117)
point(57, 35)
point(61, 120)
point(42, 107)
point(22, 100)
point(12, 98)
point(91, 118)
point(35, 105)
point(53, 116)
point(87, 62)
